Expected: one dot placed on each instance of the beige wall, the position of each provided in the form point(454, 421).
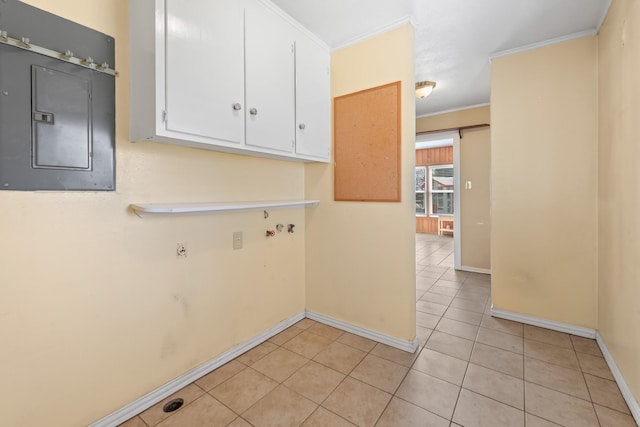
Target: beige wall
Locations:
point(96, 310)
point(619, 188)
point(544, 181)
point(361, 256)
point(475, 166)
point(475, 203)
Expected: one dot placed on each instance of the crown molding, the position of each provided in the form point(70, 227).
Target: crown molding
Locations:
point(568, 37)
point(453, 110)
point(377, 31)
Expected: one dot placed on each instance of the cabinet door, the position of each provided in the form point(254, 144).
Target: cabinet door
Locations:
point(270, 84)
point(205, 68)
point(313, 99)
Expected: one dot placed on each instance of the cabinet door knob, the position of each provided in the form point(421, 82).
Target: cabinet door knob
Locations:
point(302, 126)
point(253, 111)
point(237, 106)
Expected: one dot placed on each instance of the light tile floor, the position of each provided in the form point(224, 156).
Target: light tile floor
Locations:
point(471, 370)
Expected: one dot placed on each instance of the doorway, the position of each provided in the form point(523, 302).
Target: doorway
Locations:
point(438, 199)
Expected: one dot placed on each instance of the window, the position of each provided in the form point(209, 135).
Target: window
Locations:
point(441, 189)
point(421, 188)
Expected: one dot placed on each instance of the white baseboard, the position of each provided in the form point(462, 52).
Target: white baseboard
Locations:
point(544, 323)
point(627, 394)
point(148, 400)
point(475, 269)
point(634, 407)
point(410, 346)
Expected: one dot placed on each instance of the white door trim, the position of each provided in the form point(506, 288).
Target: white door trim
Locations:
point(439, 140)
point(457, 190)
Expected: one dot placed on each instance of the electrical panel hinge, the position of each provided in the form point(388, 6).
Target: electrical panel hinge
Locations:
point(164, 116)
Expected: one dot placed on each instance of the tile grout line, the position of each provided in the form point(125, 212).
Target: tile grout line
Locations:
point(489, 397)
point(475, 341)
point(245, 368)
point(308, 361)
point(583, 377)
point(320, 405)
point(542, 385)
point(394, 395)
point(523, 355)
point(473, 348)
point(570, 395)
point(419, 351)
point(455, 406)
point(586, 383)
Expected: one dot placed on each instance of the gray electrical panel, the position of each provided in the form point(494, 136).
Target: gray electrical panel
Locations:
point(57, 103)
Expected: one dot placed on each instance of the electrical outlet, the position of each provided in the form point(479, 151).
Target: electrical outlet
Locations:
point(237, 240)
point(182, 250)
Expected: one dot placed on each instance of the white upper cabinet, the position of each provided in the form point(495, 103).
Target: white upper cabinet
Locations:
point(228, 75)
point(313, 106)
point(204, 65)
point(269, 80)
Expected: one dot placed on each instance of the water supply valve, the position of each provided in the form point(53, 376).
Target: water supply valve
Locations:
point(290, 228)
point(271, 233)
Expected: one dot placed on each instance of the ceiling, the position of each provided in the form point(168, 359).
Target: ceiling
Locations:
point(455, 39)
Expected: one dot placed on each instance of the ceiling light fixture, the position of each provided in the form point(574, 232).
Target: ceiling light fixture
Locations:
point(424, 89)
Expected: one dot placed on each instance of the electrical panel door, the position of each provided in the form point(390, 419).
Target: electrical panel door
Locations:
point(61, 125)
point(57, 107)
